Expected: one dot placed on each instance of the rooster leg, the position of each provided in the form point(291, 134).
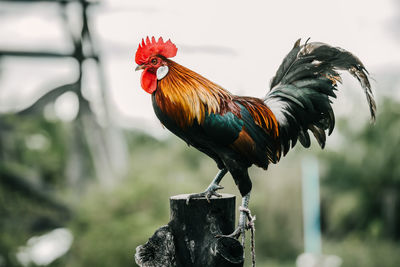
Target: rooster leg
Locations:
point(242, 226)
point(211, 189)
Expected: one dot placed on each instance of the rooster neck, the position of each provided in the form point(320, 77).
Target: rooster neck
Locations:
point(187, 97)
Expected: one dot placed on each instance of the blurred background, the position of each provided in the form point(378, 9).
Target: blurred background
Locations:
point(86, 169)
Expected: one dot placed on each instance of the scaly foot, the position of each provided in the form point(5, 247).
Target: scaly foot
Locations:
point(210, 191)
point(243, 225)
point(245, 215)
point(240, 230)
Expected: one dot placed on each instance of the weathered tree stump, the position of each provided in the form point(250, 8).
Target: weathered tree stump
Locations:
point(190, 238)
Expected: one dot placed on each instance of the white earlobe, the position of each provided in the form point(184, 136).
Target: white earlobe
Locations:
point(161, 72)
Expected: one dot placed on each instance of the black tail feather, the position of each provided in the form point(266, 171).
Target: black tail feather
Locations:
point(301, 91)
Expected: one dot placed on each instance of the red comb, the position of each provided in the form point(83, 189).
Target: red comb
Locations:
point(147, 49)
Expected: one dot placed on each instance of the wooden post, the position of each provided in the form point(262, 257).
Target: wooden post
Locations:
point(190, 238)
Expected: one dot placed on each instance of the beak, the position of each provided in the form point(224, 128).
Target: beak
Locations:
point(140, 67)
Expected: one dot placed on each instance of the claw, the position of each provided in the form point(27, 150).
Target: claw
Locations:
point(210, 191)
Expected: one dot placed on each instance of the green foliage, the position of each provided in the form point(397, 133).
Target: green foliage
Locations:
point(364, 252)
point(26, 141)
point(32, 161)
point(276, 201)
point(361, 190)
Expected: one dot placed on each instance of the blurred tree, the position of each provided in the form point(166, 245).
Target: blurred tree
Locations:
point(32, 156)
point(361, 186)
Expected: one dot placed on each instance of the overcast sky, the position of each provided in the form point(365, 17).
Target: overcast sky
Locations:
point(237, 44)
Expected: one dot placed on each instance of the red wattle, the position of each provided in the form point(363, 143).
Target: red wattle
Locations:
point(149, 81)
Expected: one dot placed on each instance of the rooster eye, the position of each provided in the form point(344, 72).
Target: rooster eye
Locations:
point(154, 61)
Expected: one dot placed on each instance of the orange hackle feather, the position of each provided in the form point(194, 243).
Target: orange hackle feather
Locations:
point(186, 96)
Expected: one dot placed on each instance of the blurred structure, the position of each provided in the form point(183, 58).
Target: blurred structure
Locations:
point(311, 206)
point(92, 131)
point(44, 147)
point(312, 256)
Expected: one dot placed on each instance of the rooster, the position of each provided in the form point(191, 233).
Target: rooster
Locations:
point(239, 131)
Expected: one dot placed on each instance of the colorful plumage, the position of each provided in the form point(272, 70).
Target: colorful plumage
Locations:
point(237, 131)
